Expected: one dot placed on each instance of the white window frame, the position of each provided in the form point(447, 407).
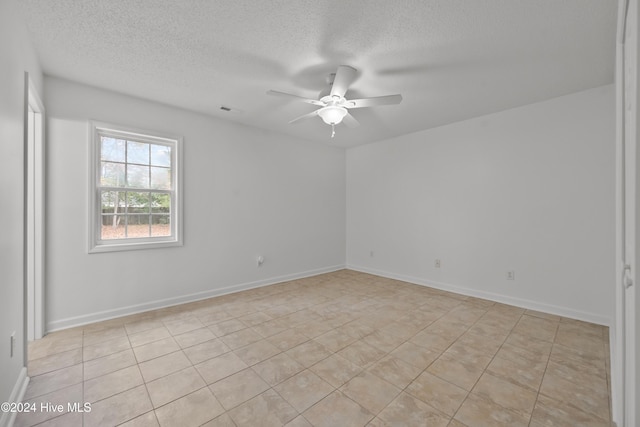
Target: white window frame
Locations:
point(97, 245)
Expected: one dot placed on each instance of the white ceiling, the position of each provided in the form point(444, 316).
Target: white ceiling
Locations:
point(450, 59)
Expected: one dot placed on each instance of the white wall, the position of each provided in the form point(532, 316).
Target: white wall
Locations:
point(17, 57)
point(246, 192)
point(530, 189)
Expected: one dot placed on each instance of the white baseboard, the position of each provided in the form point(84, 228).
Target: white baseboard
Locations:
point(70, 322)
point(20, 387)
point(519, 302)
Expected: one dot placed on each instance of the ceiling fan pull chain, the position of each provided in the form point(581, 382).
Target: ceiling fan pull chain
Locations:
point(333, 130)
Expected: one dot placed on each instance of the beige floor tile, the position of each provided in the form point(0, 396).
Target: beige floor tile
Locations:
point(458, 371)
point(577, 376)
point(223, 420)
point(163, 365)
point(241, 338)
point(191, 410)
point(456, 423)
point(119, 408)
point(214, 316)
point(52, 381)
point(506, 394)
point(177, 327)
point(191, 338)
point(592, 400)
point(337, 410)
point(517, 370)
point(205, 351)
point(533, 345)
point(155, 349)
point(104, 365)
point(142, 325)
point(266, 409)
point(220, 367)
point(440, 394)
point(56, 342)
point(479, 412)
point(309, 353)
point(313, 329)
point(361, 353)
point(254, 319)
point(298, 421)
point(145, 420)
point(551, 412)
point(335, 340)
point(408, 411)
point(108, 334)
point(537, 327)
point(113, 383)
point(277, 369)
point(416, 355)
point(105, 348)
point(70, 419)
point(336, 370)
point(149, 336)
point(394, 370)
point(432, 341)
point(174, 386)
point(287, 339)
point(488, 345)
point(54, 362)
point(303, 390)
point(256, 352)
point(567, 356)
point(238, 388)
point(228, 326)
point(71, 394)
point(371, 392)
point(383, 341)
point(357, 329)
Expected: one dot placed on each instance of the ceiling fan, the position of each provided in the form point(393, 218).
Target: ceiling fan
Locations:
point(334, 106)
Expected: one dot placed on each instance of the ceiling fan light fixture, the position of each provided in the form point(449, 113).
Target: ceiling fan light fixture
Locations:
point(332, 114)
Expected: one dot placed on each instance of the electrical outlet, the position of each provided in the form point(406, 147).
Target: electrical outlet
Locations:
point(437, 263)
point(511, 275)
point(12, 344)
point(259, 260)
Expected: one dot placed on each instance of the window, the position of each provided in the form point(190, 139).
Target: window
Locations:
point(135, 197)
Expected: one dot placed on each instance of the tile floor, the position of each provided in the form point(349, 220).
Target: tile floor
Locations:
point(339, 349)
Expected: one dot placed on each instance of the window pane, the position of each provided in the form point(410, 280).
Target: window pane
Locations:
point(112, 229)
point(160, 155)
point(137, 176)
point(160, 203)
point(137, 152)
point(112, 174)
point(137, 226)
point(161, 178)
point(112, 222)
point(137, 203)
point(112, 149)
point(160, 225)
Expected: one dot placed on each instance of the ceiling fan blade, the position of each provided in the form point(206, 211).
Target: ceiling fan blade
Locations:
point(350, 121)
point(304, 117)
point(372, 102)
point(299, 98)
point(343, 79)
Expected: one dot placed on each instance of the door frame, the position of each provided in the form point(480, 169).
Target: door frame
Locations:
point(34, 212)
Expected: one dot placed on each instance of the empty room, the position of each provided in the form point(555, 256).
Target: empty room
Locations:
point(319, 213)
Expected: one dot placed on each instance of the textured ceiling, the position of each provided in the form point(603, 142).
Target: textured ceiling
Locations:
point(450, 59)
